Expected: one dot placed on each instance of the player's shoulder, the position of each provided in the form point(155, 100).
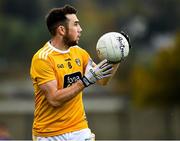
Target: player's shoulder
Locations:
point(43, 52)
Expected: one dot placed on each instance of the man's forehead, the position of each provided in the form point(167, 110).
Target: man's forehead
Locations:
point(72, 17)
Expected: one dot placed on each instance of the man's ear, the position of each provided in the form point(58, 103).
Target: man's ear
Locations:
point(61, 30)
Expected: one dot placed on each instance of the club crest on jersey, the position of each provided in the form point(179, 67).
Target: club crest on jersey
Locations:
point(78, 62)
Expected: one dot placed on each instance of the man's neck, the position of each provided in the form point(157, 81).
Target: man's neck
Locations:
point(58, 43)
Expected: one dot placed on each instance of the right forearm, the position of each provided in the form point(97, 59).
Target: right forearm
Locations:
point(57, 97)
point(63, 95)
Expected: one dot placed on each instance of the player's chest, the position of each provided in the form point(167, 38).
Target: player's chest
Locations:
point(67, 64)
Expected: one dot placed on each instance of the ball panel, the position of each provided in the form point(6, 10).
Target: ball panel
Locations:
point(115, 51)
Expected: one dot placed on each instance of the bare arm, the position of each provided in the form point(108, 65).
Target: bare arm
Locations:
point(58, 97)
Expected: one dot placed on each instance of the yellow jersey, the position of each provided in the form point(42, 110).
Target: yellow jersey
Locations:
point(50, 63)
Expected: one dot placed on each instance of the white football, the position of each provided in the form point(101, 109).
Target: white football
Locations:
point(112, 46)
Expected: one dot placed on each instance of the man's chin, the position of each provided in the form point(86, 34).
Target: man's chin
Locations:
point(74, 43)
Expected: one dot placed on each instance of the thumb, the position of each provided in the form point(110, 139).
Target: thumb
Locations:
point(90, 63)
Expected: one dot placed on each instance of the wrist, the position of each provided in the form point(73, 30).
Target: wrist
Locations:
point(85, 81)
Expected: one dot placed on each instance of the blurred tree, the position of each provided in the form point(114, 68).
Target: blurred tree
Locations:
point(160, 83)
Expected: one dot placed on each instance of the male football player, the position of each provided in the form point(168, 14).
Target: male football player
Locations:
point(60, 70)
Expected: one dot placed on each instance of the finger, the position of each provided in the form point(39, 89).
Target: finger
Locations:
point(102, 63)
point(108, 63)
point(107, 75)
point(109, 70)
point(109, 66)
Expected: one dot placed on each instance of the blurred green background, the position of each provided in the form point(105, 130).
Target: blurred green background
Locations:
point(141, 101)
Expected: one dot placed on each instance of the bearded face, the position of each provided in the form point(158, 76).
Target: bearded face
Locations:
point(72, 31)
point(69, 40)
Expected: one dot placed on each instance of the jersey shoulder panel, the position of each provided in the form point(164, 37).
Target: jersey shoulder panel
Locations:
point(44, 52)
point(41, 66)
